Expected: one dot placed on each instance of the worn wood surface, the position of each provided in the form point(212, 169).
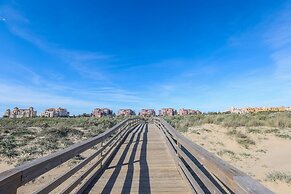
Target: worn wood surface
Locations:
point(143, 164)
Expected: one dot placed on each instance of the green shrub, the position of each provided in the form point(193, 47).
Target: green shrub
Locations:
point(8, 146)
point(254, 130)
point(284, 136)
point(246, 142)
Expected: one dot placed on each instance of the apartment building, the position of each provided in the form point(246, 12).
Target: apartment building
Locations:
point(100, 112)
point(167, 112)
point(20, 113)
point(147, 112)
point(183, 111)
point(55, 112)
point(125, 112)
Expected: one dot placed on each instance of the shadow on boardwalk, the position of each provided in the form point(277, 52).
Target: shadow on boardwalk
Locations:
point(138, 136)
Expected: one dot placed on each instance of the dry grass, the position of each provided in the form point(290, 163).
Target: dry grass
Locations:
point(269, 119)
point(241, 138)
point(279, 176)
point(25, 139)
point(277, 123)
point(228, 152)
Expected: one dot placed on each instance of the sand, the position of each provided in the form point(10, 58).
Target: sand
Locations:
point(270, 153)
point(5, 165)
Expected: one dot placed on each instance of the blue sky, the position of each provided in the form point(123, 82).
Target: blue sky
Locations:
point(206, 55)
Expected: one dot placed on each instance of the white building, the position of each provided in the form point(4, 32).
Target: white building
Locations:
point(236, 110)
point(55, 112)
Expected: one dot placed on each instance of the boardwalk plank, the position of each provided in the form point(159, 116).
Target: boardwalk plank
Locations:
point(143, 164)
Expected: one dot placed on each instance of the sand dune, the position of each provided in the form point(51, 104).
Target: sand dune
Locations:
point(268, 154)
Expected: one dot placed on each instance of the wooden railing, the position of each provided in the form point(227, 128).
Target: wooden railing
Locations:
point(203, 171)
point(107, 144)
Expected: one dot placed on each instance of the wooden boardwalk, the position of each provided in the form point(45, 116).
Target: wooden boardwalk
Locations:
point(133, 156)
point(143, 164)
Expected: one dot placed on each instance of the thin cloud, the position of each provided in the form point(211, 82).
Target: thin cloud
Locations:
point(13, 16)
point(37, 85)
point(81, 61)
point(278, 33)
point(278, 37)
point(264, 86)
point(83, 100)
point(282, 60)
point(86, 63)
point(27, 95)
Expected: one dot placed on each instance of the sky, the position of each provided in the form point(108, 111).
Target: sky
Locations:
point(199, 54)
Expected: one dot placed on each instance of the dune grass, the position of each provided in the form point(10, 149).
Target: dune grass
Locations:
point(275, 121)
point(25, 139)
point(269, 119)
point(279, 176)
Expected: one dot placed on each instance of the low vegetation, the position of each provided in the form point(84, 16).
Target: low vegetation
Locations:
point(279, 176)
point(25, 139)
point(255, 123)
point(228, 152)
point(241, 138)
point(268, 119)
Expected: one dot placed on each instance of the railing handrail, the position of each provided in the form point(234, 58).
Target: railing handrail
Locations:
point(22, 174)
point(236, 180)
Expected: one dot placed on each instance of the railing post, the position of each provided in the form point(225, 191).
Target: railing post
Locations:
point(119, 131)
point(127, 125)
point(179, 149)
point(102, 147)
point(99, 156)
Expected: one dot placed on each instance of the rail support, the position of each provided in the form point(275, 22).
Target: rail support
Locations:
point(9, 188)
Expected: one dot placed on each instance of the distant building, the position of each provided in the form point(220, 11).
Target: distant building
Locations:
point(100, 112)
point(20, 113)
point(236, 110)
point(183, 112)
point(258, 109)
point(147, 112)
point(55, 112)
point(7, 113)
point(167, 112)
point(188, 112)
point(125, 112)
